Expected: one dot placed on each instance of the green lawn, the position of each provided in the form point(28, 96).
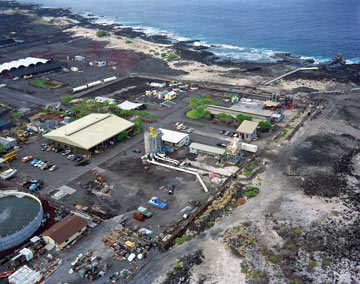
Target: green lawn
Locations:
point(45, 83)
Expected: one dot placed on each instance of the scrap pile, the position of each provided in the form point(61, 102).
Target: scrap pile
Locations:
point(88, 266)
point(98, 185)
point(225, 202)
point(129, 243)
point(181, 270)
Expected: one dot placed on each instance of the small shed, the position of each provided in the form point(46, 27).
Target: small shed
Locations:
point(247, 130)
point(170, 95)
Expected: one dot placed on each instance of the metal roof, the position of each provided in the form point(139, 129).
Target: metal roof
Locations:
point(207, 148)
point(172, 136)
point(90, 130)
point(247, 127)
point(65, 228)
point(26, 62)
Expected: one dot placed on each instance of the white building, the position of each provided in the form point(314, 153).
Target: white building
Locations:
point(174, 138)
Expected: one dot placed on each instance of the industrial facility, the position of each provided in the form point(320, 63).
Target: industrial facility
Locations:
point(26, 209)
point(90, 133)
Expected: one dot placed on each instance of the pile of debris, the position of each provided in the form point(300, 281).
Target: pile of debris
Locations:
point(181, 271)
point(222, 205)
point(129, 243)
point(88, 266)
point(98, 186)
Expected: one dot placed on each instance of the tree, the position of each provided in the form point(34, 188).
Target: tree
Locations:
point(264, 126)
point(137, 122)
point(122, 136)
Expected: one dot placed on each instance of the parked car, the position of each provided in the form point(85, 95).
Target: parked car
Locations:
point(79, 159)
point(66, 152)
point(26, 159)
point(136, 151)
point(50, 148)
point(231, 134)
point(53, 168)
point(255, 138)
point(34, 161)
point(156, 202)
point(227, 133)
point(222, 132)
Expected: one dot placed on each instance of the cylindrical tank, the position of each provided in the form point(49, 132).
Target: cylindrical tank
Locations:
point(20, 217)
point(109, 79)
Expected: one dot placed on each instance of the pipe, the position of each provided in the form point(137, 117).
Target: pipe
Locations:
point(181, 170)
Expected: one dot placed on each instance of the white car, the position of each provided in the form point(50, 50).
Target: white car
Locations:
point(53, 168)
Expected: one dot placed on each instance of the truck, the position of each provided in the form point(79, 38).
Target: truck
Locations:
point(156, 202)
point(142, 210)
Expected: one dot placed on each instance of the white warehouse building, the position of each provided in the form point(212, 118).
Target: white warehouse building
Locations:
point(174, 138)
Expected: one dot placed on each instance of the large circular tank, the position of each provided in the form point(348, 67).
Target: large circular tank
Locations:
point(20, 216)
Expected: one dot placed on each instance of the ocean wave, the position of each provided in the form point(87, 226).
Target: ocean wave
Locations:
point(353, 60)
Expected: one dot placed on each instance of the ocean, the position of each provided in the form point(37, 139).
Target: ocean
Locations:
point(245, 30)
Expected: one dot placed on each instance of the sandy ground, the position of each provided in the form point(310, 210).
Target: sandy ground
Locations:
point(200, 72)
point(196, 71)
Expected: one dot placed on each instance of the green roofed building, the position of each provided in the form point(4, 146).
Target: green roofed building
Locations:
point(90, 133)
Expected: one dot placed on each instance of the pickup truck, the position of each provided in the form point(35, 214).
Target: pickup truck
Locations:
point(144, 211)
point(156, 202)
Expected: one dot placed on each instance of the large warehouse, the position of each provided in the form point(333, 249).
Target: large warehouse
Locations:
point(90, 133)
point(28, 66)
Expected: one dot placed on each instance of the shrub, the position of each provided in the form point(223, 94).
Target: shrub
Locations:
point(312, 263)
point(181, 240)
point(51, 22)
point(284, 130)
point(298, 231)
point(273, 127)
point(156, 53)
point(247, 173)
point(243, 270)
point(102, 33)
point(236, 228)
point(210, 224)
point(291, 246)
point(280, 135)
point(179, 265)
point(2, 149)
point(274, 259)
point(252, 193)
point(16, 114)
point(224, 117)
point(172, 57)
point(128, 41)
point(326, 262)
point(163, 54)
point(240, 118)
